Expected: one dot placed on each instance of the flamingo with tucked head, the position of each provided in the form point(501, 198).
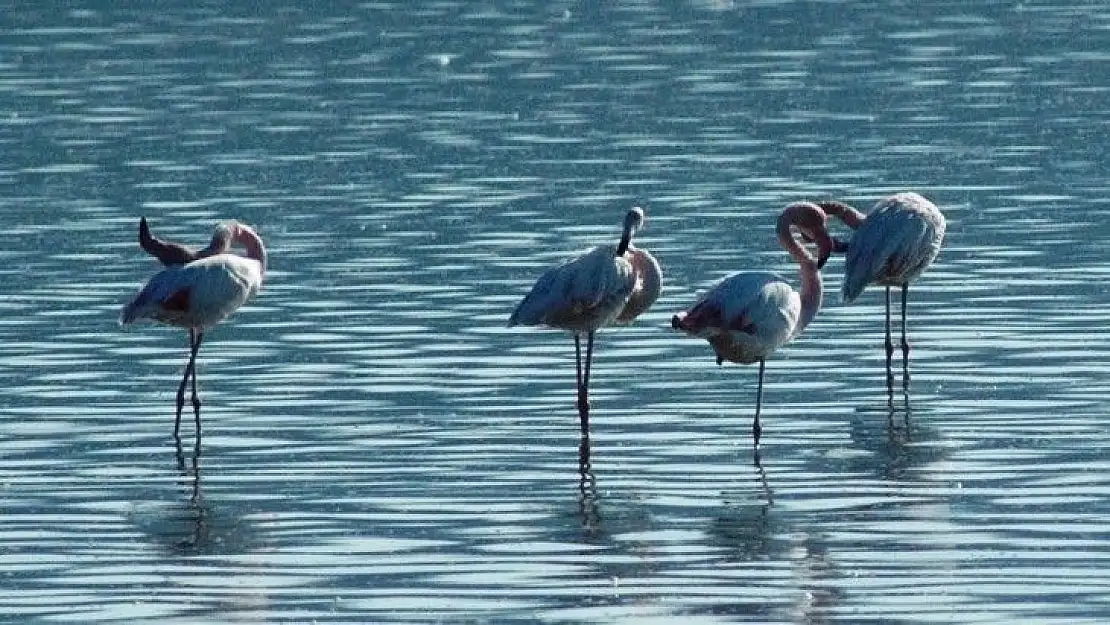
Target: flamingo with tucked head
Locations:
point(891, 246)
point(198, 294)
point(748, 315)
point(607, 284)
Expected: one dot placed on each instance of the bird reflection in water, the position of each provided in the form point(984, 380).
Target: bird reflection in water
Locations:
point(818, 576)
point(746, 528)
point(899, 448)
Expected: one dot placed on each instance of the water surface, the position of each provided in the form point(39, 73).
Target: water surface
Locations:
point(379, 447)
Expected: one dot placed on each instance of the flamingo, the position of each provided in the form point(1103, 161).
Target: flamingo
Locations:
point(607, 284)
point(748, 315)
point(891, 246)
point(199, 294)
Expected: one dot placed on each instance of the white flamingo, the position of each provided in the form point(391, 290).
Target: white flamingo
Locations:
point(748, 315)
point(198, 295)
point(891, 246)
point(607, 284)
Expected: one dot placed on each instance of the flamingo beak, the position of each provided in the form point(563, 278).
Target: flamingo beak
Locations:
point(825, 247)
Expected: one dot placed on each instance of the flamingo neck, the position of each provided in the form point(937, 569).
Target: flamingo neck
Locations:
point(844, 212)
point(810, 275)
point(812, 293)
point(220, 244)
point(250, 241)
point(626, 241)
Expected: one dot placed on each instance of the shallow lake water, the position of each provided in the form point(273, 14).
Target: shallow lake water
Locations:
point(380, 448)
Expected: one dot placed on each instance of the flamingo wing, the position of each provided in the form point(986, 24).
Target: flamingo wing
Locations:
point(746, 316)
point(583, 293)
point(199, 294)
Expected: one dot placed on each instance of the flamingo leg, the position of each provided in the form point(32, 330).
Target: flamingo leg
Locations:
point(189, 371)
point(757, 429)
point(905, 341)
point(584, 387)
point(889, 346)
point(196, 399)
point(578, 362)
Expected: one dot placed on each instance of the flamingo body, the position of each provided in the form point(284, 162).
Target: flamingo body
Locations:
point(745, 317)
point(895, 243)
point(197, 295)
point(581, 294)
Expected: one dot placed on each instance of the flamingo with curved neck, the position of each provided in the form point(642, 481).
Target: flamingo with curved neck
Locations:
point(748, 315)
point(890, 246)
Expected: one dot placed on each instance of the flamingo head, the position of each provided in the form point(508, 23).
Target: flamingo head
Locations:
point(244, 235)
point(812, 225)
point(634, 219)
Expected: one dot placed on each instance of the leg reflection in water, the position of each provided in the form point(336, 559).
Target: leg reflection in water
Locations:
point(588, 499)
point(893, 408)
point(194, 514)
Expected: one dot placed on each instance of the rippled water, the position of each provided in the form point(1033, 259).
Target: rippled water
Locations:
point(379, 447)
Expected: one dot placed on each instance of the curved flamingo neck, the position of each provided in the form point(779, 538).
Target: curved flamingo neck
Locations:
point(250, 240)
point(625, 239)
point(812, 294)
point(812, 287)
point(844, 212)
point(625, 243)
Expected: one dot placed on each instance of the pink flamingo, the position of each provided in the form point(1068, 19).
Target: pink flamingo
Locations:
point(748, 315)
point(891, 246)
point(607, 284)
point(199, 294)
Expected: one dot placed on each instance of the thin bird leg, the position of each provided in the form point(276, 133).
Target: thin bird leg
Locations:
point(889, 346)
point(905, 341)
point(757, 429)
point(581, 391)
point(185, 380)
point(584, 391)
point(196, 399)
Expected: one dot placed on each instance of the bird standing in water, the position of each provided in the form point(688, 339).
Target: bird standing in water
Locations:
point(748, 315)
point(607, 284)
point(891, 246)
point(198, 294)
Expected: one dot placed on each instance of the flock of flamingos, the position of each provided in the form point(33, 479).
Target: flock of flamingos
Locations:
point(744, 317)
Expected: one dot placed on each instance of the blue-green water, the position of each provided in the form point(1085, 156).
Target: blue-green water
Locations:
point(380, 448)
